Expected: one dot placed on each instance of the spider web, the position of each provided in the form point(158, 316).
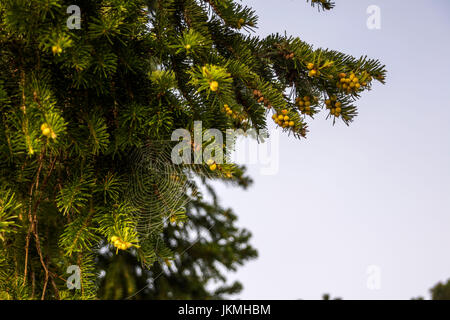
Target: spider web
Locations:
point(157, 187)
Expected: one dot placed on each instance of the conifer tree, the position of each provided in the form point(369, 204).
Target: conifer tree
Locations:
point(87, 112)
point(197, 274)
point(441, 291)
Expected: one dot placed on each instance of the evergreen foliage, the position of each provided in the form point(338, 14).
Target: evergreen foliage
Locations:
point(77, 103)
point(441, 291)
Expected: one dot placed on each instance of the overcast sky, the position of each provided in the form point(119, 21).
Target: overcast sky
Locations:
point(376, 193)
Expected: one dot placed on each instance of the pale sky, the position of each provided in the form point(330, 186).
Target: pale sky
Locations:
point(375, 193)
